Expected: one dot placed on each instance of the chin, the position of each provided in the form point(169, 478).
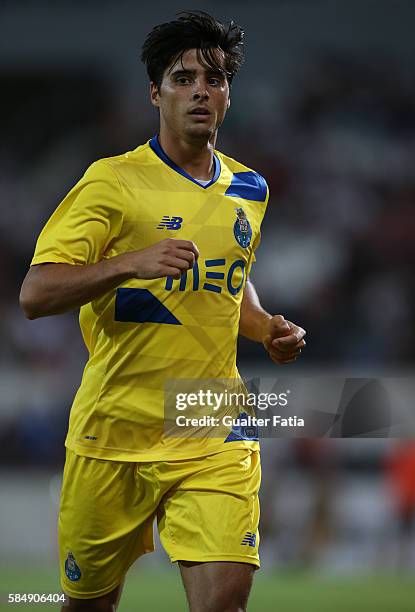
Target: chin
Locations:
point(201, 132)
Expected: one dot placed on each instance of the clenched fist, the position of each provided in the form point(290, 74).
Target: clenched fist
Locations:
point(283, 340)
point(169, 257)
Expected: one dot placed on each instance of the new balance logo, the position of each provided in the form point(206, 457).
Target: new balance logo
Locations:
point(249, 539)
point(170, 223)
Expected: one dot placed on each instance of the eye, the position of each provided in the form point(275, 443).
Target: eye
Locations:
point(214, 82)
point(183, 80)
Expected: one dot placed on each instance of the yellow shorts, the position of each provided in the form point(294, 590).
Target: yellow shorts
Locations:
point(207, 509)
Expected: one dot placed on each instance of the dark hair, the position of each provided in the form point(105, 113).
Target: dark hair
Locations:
point(167, 42)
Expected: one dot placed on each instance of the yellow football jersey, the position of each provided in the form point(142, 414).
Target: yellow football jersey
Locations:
point(145, 332)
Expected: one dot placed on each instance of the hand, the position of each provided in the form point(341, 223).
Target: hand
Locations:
point(283, 340)
point(170, 257)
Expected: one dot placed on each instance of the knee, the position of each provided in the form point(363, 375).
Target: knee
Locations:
point(106, 603)
point(89, 605)
point(226, 601)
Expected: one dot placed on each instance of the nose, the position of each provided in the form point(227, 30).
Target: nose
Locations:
point(201, 91)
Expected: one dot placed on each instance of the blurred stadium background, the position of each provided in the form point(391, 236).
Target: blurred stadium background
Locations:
point(324, 108)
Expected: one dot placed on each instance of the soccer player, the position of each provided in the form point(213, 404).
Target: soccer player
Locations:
point(155, 247)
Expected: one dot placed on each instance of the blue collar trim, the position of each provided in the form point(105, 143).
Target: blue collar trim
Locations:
point(156, 146)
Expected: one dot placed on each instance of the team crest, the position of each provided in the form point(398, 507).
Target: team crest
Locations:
point(242, 230)
point(71, 569)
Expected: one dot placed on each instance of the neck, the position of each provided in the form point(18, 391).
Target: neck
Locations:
point(196, 158)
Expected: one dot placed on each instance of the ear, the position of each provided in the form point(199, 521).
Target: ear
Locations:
point(154, 94)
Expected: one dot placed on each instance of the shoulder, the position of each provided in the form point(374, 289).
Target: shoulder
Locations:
point(246, 182)
point(118, 167)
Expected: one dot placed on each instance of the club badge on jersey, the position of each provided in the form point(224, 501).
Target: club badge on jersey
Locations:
point(71, 568)
point(242, 229)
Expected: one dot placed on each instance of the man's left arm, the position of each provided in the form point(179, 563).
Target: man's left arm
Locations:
point(282, 339)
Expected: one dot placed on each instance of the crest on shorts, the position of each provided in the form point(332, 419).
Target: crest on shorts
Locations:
point(242, 431)
point(241, 229)
point(71, 568)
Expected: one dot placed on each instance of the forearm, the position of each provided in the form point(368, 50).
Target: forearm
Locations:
point(282, 339)
point(254, 319)
point(55, 288)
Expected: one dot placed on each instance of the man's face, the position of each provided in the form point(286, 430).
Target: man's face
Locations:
point(192, 99)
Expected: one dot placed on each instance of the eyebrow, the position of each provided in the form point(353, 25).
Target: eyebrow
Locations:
point(193, 72)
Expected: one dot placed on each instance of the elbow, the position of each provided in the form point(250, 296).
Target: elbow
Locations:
point(30, 300)
point(36, 294)
point(28, 305)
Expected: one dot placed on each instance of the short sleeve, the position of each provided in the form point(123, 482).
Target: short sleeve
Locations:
point(86, 222)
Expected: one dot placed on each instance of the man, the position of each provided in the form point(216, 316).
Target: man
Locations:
point(155, 246)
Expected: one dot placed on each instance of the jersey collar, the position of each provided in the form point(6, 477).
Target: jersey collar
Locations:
point(156, 147)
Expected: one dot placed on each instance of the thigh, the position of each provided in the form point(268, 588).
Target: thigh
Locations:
point(212, 514)
point(217, 586)
point(105, 523)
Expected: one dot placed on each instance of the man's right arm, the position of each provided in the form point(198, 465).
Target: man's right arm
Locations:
point(54, 288)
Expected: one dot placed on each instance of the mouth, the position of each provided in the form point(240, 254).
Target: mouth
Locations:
point(200, 112)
